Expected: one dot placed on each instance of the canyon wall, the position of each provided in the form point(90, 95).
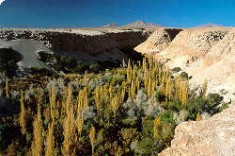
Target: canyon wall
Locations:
point(84, 44)
point(205, 54)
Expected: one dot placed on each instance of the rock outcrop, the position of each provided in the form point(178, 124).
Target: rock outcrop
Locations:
point(191, 45)
point(212, 137)
point(205, 54)
point(201, 52)
point(159, 40)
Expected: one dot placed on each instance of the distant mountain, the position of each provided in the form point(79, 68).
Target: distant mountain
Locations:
point(111, 25)
point(137, 24)
point(209, 25)
point(141, 24)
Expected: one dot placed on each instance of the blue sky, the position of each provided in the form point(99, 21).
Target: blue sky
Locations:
point(93, 13)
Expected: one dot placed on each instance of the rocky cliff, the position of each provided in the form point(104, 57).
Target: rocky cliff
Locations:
point(86, 44)
point(201, 52)
point(206, 54)
point(212, 137)
point(159, 40)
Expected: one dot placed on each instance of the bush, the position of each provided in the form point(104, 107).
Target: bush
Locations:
point(184, 75)
point(176, 69)
point(197, 104)
point(214, 98)
point(8, 61)
point(146, 147)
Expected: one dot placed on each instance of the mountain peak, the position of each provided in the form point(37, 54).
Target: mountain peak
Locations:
point(142, 24)
point(110, 25)
point(209, 25)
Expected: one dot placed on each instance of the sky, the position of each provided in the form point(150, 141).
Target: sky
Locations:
point(95, 13)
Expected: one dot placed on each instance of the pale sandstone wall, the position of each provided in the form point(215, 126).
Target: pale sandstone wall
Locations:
point(206, 54)
point(212, 137)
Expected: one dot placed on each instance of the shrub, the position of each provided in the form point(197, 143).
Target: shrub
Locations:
point(184, 75)
point(147, 146)
point(214, 98)
point(176, 69)
point(8, 61)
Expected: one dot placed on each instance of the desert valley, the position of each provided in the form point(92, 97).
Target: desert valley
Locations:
point(140, 89)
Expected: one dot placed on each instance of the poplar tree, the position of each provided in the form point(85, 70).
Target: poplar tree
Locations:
point(52, 99)
point(50, 141)
point(98, 99)
point(92, 138)
point(129, 71)
point(156, 127)
point(132, 90)
point(7, 88)
point(23, 114)
point(69, 127)
point(38, 131)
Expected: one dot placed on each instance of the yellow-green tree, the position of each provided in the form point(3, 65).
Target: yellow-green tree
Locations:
point(69, 134)
point(115, 102)
point(80, 122)
point(129, 71)
point(53, 103)
point(198, 116)
point(132, 90)
point(23, 114)
point(98, 99)
point(92, 138)
point(69, 127)
point(156, 127)
point(38, 132)
point(50, 141)
point(168, 88)
point(184, 92)
point(124, 89)
point(7, 88)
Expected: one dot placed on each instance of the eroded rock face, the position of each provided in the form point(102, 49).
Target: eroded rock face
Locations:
point(100, 44)
point(206, 54)
point(212, 137)
point(217, 66)
point(159, 40)
point(224, 49)
point(192, 44)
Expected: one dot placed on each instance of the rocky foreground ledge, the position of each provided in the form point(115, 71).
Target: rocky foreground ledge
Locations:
point(212, 137)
